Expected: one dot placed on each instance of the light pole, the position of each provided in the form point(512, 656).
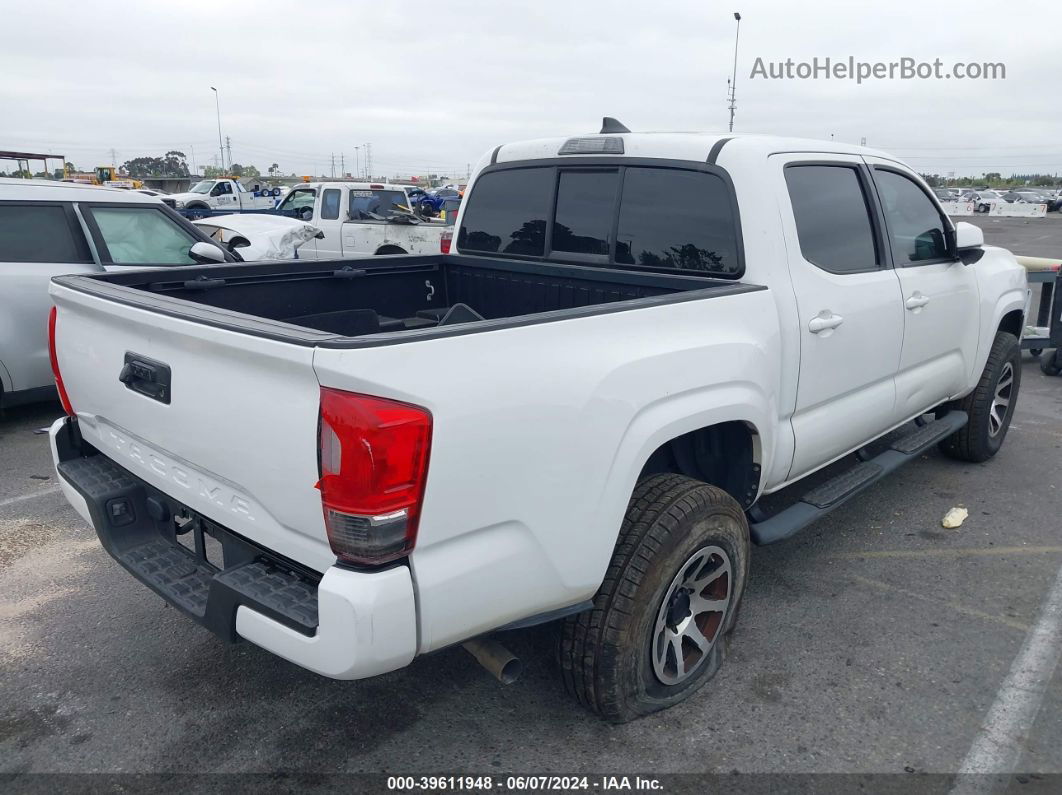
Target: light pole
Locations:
point(733, 80)
point(221, 146)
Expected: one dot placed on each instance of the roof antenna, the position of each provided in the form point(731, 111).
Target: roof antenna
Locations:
point(611, 125)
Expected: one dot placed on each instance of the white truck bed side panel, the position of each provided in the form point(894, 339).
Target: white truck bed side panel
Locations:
point(540, 433)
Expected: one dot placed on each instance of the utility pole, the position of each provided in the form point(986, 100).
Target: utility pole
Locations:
point(357, 162)
point(114, 158)
point(368, 162)
point(194, 169)
point(228, 145)
point(342, 165)
point(333, 165)
point(733, 79)
point(221, 148)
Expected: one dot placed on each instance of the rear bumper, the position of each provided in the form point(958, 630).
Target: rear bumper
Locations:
point(345, 624)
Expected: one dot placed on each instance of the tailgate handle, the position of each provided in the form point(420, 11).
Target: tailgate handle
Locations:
point(146, 377)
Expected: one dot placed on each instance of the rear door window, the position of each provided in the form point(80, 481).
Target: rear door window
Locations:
point(670, 218)
point(508, 212)
point(141, 236)
point(832, 217)
point(41, 233)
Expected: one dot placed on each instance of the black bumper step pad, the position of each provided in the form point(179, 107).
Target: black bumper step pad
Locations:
point(183, 578)
point(276, 590)
point(148, 548)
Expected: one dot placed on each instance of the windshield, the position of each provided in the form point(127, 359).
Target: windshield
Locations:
point(364, 204)
point(202, 187)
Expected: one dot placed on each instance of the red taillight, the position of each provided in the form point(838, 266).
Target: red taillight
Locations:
point(374, 461)
point(63, 397)
point(445, 241)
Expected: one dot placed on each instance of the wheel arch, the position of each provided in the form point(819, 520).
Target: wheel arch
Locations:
point(390, 249)
point(673, 434)
point(725, 454)
point(1013, 322)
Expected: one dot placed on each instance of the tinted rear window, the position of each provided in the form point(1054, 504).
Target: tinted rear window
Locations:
point(677, 219)
point(585, 204)
point(668, 218)
point(39, 233)
point(507, 212)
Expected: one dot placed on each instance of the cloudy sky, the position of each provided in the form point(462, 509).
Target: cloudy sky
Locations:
point(432, 85)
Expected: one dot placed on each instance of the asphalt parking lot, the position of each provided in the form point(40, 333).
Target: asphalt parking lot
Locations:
point(875, 642)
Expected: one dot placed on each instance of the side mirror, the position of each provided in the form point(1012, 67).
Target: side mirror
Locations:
point(969, 242)
point(206, 253)
point(968, 236)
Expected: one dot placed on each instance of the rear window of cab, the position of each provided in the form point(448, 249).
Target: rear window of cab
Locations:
point(642, 217)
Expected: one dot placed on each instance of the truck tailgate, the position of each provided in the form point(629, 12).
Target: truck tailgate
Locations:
point(237, 439)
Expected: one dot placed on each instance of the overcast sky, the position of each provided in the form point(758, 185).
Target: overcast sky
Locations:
point(432, 85)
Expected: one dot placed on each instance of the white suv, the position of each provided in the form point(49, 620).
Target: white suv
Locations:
point(52, 228)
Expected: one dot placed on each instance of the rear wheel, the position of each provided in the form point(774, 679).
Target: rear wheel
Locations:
point(991, 404)
point(659, 627)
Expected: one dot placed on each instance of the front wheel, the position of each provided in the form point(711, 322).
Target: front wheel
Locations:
point(991, 404)
point(659, 627)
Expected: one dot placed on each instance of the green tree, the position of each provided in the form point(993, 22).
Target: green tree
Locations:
point(212, 172)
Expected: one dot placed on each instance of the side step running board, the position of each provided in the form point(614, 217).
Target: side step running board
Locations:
point(824, 498)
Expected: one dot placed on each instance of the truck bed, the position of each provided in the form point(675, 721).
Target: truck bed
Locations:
point(375, 301)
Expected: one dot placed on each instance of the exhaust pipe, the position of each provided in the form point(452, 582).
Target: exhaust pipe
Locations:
point(502, 663)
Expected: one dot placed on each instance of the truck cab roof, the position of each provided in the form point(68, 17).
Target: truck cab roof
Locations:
point(690, 146)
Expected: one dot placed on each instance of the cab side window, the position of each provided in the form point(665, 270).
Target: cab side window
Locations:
point(221, 189)
point(832, 217)
point(330, 204)
point(917, 230)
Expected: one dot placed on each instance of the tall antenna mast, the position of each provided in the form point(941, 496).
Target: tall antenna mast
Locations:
point(733, 80)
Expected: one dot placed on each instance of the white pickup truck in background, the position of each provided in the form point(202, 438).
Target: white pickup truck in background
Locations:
point(361, 218)
point(572, 417)
point(226, 193)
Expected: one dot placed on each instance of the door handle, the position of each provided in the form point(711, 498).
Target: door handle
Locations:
point(824, 321)
point(916, 301)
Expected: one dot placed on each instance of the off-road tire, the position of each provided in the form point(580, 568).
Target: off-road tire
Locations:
point(974, 442)
point(604, 653)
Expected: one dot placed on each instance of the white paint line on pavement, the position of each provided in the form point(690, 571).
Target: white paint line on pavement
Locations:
point(997, 748)
point(25, 497)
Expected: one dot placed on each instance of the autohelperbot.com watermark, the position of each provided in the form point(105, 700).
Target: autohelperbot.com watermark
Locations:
point(850, 68)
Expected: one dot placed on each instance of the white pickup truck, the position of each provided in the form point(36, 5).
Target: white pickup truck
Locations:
point(223, 194)
point(360, 219)
point(571, 418)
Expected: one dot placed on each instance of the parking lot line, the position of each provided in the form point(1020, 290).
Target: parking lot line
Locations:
point(969, 552)
point(25, 497)
point(956, 606)
point(997, 748)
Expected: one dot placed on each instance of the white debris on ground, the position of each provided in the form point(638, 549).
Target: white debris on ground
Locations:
point(954, 518)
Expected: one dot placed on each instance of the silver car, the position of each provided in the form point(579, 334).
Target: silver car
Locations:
point(51, 228)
